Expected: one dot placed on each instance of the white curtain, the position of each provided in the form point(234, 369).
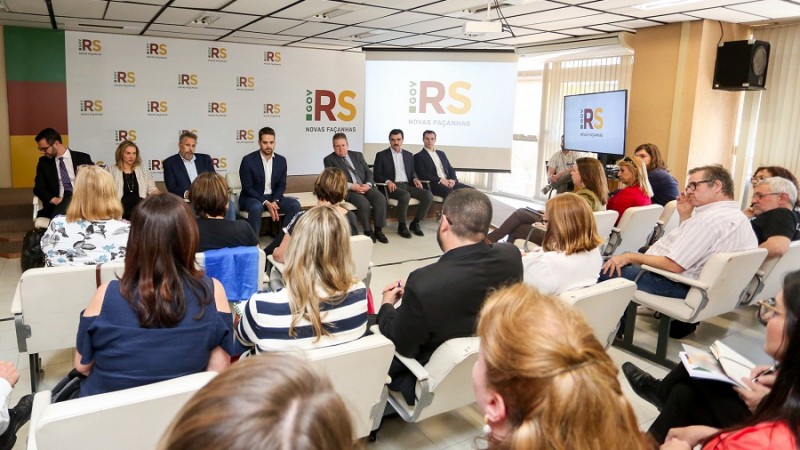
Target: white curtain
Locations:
point(580, 76)
point(770, 126)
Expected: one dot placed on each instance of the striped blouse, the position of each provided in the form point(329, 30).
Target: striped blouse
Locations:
point(266, 317)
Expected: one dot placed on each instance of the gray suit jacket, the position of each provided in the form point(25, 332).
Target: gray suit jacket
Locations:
point(359, 164)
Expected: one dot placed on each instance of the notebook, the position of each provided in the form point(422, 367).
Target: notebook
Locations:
point(721, 363)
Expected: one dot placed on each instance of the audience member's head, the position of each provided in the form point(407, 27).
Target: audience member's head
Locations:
point(331, 185)
point(160, 261)
point(319, 264)
point(571, 227)
point(209, 195)
point(468, 213)
point(127, 153)
point(633, 172)
point(775, 171)
point(651, 156)
point(94, 197)
point(590, 174)
point(269, 401)
point(773, 192)
point(544, 381)
point(715, 177)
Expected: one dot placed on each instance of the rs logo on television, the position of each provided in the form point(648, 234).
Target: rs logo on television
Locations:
point(592, 119)
point(322, 101)
point(438, 97)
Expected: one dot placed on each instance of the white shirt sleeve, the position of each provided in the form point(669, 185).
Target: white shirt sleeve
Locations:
point(5, 396)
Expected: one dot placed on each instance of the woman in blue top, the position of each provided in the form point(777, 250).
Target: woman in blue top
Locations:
point(665, 186)
point(164, 318)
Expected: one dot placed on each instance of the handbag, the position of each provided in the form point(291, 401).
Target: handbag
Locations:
point(32, 254)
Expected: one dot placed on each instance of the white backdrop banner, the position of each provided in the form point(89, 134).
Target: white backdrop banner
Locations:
point(149, 90)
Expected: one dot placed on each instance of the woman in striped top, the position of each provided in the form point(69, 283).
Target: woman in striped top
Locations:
point(322, 304)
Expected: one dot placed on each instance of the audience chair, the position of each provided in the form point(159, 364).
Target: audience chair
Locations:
point(358, 371)
point(605, 221)
point(130, 419)
point(768, 281)
point(665, 223)
point(443, 384)
point(360, 247)
point(633, 229)
point(47, 305)
point(602, 305)
point(717, 291)
point(39, 222)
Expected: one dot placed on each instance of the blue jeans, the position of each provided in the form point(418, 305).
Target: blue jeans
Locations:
point(652, 283)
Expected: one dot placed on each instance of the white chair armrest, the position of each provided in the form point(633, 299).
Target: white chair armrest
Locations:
point(414, 366)
point(41, 401)
point(677, 277)
point(16, 302)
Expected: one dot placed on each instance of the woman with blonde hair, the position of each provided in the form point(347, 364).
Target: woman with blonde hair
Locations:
point(133, 182)
point(637, 190)
point(569, 257)
point(322, 303)
point(330, 188)
point(91, 232)
point(267, 402)
point(543, 381)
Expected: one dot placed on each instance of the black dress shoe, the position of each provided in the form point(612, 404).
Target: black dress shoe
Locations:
point(18, 416)
point(403, 231)
point(416, 229)
point(643, 384)
point(378, 234)
point(371, 235)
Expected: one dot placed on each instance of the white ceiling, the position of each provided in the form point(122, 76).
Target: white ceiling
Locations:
point(351, 25)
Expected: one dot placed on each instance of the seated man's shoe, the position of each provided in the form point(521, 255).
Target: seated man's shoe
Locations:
point(18, 416)
point(378, 234)
point(643, 384)
point(403, 231)
point(416, 229)
point(370, 234)
point(679, 330)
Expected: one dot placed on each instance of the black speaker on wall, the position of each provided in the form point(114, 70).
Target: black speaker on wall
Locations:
point(741, 65)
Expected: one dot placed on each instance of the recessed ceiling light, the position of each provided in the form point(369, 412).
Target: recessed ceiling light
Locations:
point(664, 4)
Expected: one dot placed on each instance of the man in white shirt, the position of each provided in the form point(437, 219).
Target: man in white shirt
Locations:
point(395, 167)
point(263, 175)
point(710, 223)
point(558, 167)
point(11, 420)
point(432, 166)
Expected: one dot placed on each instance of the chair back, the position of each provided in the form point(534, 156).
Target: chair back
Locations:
point(774, 269)
point(50, 301)
point(234, 182)
point(605, 221)
point(669, 218)
point(361, 248)
point(358, 371)
point(727, 275)
point(635, 227)
point(602, 305)
point(130, 419)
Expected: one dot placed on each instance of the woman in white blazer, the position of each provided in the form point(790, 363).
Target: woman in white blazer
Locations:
point(133, 182)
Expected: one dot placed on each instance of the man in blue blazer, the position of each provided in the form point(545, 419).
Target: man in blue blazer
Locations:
point(361, 190)
point(55, 173)
point(181, 169)
point(257, 195)
point(395, 167)
point(432, 166)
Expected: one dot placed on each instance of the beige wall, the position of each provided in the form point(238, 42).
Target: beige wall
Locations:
point(672, 103)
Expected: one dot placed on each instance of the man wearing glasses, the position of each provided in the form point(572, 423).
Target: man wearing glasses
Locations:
point(710, 223)
point(55, 173)
point(775, 222)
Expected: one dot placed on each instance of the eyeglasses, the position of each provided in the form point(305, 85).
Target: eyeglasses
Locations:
point(756, 179)
point(693, 184)
point(44, 149)
point(759, 195)
point(766, 311)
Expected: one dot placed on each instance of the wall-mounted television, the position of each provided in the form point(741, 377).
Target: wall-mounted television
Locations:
point(596, 122)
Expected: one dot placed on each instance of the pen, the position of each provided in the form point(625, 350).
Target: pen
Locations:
point(769, 371)
point(398, 284)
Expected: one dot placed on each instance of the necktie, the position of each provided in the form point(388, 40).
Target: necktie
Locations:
point(352, 171)
point(62, 171)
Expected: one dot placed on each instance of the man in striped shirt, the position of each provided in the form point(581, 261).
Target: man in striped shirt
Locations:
point(710, 223)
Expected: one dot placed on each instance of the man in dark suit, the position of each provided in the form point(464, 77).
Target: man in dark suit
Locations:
point(395, 167)
point(257, 196)
point(442, 301)
point(181, 169)
point(55, 173)
point(360, 185)
point(432, 166)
